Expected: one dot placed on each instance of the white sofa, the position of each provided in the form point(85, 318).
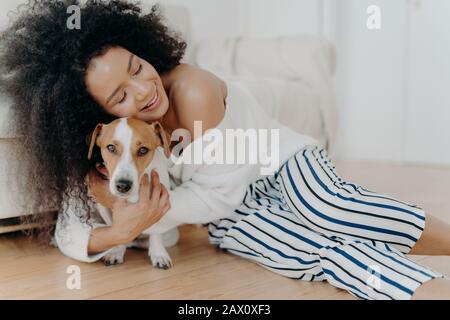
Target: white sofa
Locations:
point(290, 76)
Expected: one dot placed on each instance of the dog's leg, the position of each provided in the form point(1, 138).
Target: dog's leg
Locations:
point(115, 256)
point(140, 242)
point(158, 254)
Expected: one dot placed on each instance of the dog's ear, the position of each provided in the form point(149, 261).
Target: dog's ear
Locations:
point(162, 135)
point(92, 138)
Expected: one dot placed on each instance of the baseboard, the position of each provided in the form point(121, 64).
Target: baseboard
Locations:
point(16, 224)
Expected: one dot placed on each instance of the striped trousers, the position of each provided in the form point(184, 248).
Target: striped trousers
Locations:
point(305, 222)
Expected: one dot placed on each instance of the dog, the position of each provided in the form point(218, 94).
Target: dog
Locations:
point(131, 148)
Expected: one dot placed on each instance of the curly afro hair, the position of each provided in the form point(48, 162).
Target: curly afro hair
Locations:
point(43, 64)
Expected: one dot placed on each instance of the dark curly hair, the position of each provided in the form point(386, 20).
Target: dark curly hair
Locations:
point(43, 64)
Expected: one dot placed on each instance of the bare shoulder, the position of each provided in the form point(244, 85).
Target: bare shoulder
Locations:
point(197, 95)
point(185, 76)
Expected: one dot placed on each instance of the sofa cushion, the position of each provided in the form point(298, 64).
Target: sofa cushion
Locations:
point(304, 61)
point(292, 103)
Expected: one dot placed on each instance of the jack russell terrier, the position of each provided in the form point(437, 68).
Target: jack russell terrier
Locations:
point(130, 148)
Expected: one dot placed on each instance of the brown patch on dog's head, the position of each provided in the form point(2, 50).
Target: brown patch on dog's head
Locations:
point(103, 137)
point(162, 136)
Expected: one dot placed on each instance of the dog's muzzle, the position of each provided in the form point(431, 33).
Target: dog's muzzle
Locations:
point(123, 185)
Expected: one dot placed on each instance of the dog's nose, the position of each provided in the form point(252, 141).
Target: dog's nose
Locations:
point(123, 185)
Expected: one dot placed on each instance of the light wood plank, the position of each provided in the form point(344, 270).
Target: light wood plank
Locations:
point(202, 271)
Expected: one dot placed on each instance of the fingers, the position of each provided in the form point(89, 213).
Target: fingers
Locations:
point(144, 190)
point(155, 178)
point(156, 197)
point(156, 188)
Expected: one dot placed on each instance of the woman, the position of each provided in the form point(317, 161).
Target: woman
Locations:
point(303, 221)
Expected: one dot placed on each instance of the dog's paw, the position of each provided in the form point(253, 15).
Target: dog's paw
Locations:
point(161, 261)
point(112, 259)
point(116, 256)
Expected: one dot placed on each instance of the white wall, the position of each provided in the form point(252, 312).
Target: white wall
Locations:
point(216, 18)
point(5, 7)
point(427, 116)
point(370, 80)
point(392, 84)
point(254, 18)
point(269, 18)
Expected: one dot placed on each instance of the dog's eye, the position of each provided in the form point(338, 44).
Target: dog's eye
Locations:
point(142, 151)
point(111, 148)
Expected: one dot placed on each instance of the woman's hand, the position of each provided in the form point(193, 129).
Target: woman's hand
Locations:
point(131, 219)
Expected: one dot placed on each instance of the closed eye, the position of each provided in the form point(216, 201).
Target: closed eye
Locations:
point(124, 97)
point(138, 70)
point(125, 94)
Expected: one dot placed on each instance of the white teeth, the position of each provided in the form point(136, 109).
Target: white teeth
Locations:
point(154, 99)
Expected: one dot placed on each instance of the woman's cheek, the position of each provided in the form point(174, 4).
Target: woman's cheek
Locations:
point(126, 111)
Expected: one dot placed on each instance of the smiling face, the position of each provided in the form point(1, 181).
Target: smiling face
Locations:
point(126, 85)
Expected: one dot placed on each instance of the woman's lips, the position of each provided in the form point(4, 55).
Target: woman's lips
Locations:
point(153, 103)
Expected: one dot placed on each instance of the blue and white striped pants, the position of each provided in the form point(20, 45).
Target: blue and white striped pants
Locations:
point(305, 222)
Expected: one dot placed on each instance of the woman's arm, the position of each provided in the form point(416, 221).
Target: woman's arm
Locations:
point(89, 241)
point(106, 237)
point(129, 220)
point(208, 192)
point(103, 239)
point(73, 231)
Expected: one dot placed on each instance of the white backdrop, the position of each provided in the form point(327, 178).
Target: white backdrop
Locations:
point(391, 83)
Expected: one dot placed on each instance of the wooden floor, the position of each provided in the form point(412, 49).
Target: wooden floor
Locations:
point(200, 270)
